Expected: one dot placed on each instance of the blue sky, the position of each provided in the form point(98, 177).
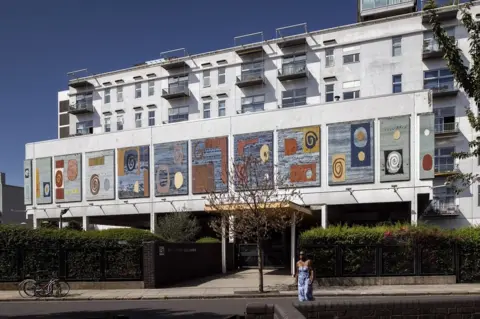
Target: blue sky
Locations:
point(42, 40)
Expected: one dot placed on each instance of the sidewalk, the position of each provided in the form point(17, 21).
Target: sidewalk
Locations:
point(244, 292)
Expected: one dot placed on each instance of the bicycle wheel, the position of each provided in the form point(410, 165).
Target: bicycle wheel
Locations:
point(30, 288)
point(21, 287)
point(62, 288)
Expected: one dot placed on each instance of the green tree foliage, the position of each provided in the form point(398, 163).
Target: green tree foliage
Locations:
point(178, 227)
point(467, 76)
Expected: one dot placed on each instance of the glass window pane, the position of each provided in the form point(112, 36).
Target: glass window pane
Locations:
point(301, 92)
point(258, 98)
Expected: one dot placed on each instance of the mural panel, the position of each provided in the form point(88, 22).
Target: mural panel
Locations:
point(395, 149)
point(100, 175)
point(299, 156)
point(43, 180)
point(68, 178)
point(27, 182)
point(427, 146)
point(210, 165)
point(351, 153)
point(171, 168)
point(133, 165)
point(260, 147)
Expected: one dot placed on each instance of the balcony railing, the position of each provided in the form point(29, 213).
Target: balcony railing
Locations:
point(431, 48)
point(81, 108)
point(445, 169)
point(442, 206)
point(175, 92)
point(383, 4)
point(84, 131)
point(441, 87)
point(292, 71)
point(446, 128)
point(250, 79)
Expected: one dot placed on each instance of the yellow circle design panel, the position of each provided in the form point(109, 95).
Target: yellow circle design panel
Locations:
point(178, 180)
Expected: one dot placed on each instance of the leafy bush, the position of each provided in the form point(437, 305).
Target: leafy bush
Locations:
point(207, 240)
point(178, 227)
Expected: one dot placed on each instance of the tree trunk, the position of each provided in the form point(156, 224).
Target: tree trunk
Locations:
point(260, 265)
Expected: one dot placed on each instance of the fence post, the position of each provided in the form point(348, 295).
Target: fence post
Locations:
point(149, 265)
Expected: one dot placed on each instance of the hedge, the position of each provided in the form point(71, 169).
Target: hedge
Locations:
point(395, 249)
point(78, 255)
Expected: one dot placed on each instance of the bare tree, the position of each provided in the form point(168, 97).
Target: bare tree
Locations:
point(259, 205)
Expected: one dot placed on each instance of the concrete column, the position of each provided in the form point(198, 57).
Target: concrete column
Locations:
point(293, 245)
point(34, 222)
point(231, 230)
point(324, 216)
point(414, 209)
point(153, 222)
point(224, 248)
point(85, 223)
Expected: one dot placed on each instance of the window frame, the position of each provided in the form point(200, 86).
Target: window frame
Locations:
point(396, 84)
point(207, 110)
point(151, 87)
point(297, 97)
point(88, 124)
point(178, 115)
point(222, 75)
point(138, 90)
point(329, 58)
point(120, 122)
point(151, 119)
point(397, 44)
point(255, 106)
point(441, 160)
point(106, 97)
point(222, 108)
point(138, 119)
point(120, 94)
point(207, 78)
point(356, 58)
point(107, 124)
point(355, 95)
point(327, 92)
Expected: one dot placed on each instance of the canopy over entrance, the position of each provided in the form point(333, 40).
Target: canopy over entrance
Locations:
point(287, 206)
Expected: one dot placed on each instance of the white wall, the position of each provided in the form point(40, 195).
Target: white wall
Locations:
point(411, 103)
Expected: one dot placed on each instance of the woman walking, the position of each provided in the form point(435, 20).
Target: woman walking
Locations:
point(304, 278)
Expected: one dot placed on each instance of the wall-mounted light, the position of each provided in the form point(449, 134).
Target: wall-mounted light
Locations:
point(164, 199)
point(125, 201)
point(395, 188)
point(349, 189)
point(91, 204)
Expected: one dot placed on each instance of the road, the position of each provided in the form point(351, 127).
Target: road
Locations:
point(141, 309)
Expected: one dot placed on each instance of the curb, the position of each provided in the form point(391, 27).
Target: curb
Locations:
point(243, 296)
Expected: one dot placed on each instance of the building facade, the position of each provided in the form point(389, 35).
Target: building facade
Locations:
point(375, 98)
point(12, 208)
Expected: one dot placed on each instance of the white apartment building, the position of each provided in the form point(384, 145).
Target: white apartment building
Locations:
point(383, 77)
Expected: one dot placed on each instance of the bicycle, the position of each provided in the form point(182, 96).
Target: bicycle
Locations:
point(21, 285)
point(53, 288)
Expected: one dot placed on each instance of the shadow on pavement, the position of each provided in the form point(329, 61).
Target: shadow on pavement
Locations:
point(127, 314)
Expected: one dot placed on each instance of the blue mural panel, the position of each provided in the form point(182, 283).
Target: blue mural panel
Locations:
point(350, 153)
point(133, 172)
point(259, 147)
point(299, 156)
point(210, 165)
point(171, 168)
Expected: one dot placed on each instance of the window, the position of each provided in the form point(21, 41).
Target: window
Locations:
point(84, 100)
point(221, 108)
point(206, 78)
point(206, 110)
point(151, 88)
point(429, 42)
point(177, 84)
point(444, 198)
point(252, 70)
point(106, 98)
point(444, 162)
point(294, 64)
point(397, 46)
point(329, 92)
point(120, 94)
point(151, 118)
point(294, 97)
point(107, 124)
point(178, 114)
point(445, 120)
point(397, 83)
point(438, 80)
point(85, 127)
point(351, 58)
point(253, 103)
point(138, 119)
point(119, 122)
point(138, 90)
point(221, 75)
point(329, 58)
point(351, 95)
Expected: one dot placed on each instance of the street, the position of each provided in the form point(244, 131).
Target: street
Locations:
point(195, 309)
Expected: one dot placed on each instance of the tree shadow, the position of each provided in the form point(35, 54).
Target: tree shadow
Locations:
point(129, 314)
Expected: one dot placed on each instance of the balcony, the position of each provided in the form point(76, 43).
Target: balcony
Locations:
point(446, 129)
point(174, 92)
point(444, 14)
point(441, 88)
point(377, 9)
point(445, 169)
point(250, 79)
point(174, 63)
point(441, 207)
point(81, 84)
point(431, 49)
point(292, 71)
point(81, 108)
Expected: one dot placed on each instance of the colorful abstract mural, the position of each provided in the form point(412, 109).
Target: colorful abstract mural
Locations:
point(210, 165)
point(43, 180)
point(171, 168)
point(68, 178)
point(100, 175)
point(133, 164)
point(27, 182)
point(427, 146)
point(395, 149)
point(351, 153)
point(258, 146)
point(299, 156)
